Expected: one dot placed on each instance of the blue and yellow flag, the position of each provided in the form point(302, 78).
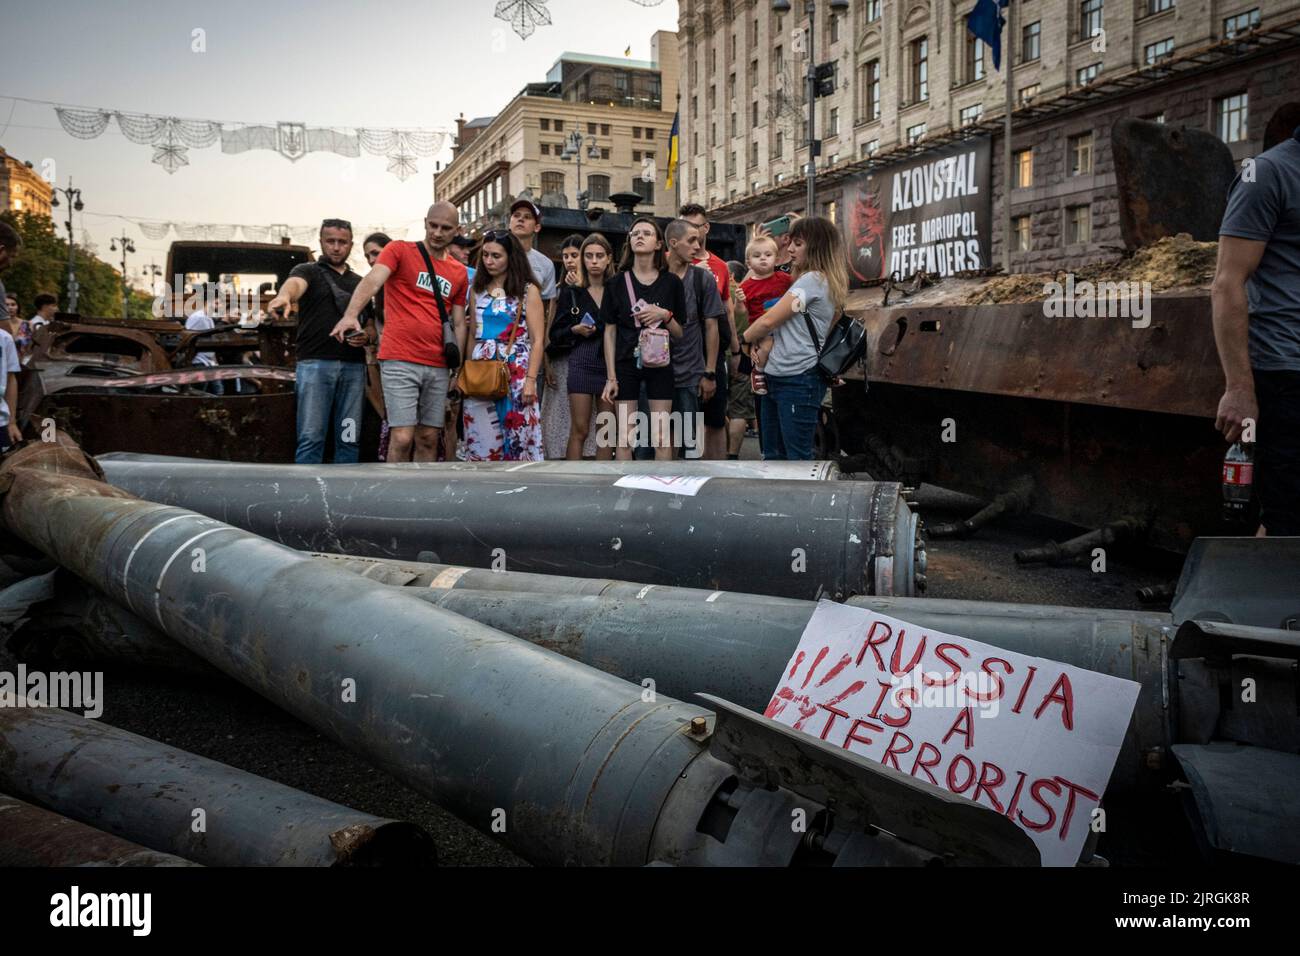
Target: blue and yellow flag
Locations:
point(672, 148)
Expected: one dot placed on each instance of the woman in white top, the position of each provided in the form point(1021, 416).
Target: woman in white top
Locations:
point(786, 339)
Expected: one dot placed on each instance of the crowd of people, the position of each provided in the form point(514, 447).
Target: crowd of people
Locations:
point(486, 354)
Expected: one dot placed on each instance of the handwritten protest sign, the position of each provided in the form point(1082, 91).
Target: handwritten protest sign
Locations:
point(1032, 738)
point(670, 484)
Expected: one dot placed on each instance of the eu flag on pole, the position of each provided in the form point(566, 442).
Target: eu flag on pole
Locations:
point(985, 21)
point(672, 150)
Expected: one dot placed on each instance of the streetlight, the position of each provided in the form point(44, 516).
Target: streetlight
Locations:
point(817, 79)
point(73, 196)
point(573, 145)
point(127, 246)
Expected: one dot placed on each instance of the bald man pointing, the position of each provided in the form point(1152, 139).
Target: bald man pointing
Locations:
point(425, 290)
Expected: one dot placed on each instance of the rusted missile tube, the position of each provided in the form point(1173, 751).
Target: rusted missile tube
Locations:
point(30, 836)
point(561, 762)
point(799, 539)
point(782, 470)
point(179, 803)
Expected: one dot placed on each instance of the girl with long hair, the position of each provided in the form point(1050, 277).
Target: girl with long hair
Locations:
point(578, 327)
point(644, 295)
point(783, 345)
point(555, 398)
point(508, 319)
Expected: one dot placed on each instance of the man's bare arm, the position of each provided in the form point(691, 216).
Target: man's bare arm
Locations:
point(289, 294)
point(1238, 259)
point(361, 296)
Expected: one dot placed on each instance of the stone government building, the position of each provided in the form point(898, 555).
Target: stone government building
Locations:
point(622, 108)
point(911, 79)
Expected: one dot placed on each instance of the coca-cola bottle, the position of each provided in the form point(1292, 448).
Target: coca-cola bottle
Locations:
point(1238, 480)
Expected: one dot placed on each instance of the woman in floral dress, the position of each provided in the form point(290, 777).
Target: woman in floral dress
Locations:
point(508, 319)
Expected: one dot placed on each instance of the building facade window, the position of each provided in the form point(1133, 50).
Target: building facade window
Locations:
point(920, 70)
point(552, 182)
point(591, 129)
point(916, 133)
point(753, 154)
point(546, 124)
point(645, 188)
point(1232, 115)
point(604, 152)
point(872, 10)
point(1022, 161)
point(835, 26)
point(834, 125)
point(869, 147)
point(636, 132)
point(1160, 50)
point(1027, 93)
point(753, 114)
point(649, 132)
point(1158, 6)
point(1020, 239)
point(1079, 224)
point(1241, 23)
point(869, 91)
point(972, 114)
point(546, 149)
point(973, 63)
point(780, 145)
point(559, 126)
point(598, 188)
point(1090, 18)
point(1080, 153)
point(1031, 41)
point(604, 129)
point(1086, 74)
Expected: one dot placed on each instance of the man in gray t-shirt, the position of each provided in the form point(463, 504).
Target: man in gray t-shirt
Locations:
point(1256, 303)
point(695, 354)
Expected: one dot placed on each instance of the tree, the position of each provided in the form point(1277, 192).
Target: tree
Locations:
point(42, 266)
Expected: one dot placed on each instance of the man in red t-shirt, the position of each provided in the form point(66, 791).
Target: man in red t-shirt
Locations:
point(411, 360)
point(715, 410)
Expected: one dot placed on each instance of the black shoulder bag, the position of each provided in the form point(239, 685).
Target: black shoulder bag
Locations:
point(845, 346)
point(341, 295)
point(450, 350)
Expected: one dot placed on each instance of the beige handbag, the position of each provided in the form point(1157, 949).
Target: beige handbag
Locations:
point(488, 378)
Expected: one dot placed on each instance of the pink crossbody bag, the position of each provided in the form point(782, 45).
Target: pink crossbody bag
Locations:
point(652, 344)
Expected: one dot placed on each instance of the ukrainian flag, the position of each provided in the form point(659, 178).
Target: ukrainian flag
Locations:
point(672, 148)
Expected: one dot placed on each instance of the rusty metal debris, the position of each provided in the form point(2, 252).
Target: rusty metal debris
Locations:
point(30, 836)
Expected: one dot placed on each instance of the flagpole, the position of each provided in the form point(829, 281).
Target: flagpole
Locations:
point(677, 179)
point(1006, 140)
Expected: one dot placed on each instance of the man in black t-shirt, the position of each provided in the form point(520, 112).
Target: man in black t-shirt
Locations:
point(330, 377)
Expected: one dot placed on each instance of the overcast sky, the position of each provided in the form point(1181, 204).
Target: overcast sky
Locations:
point(399, 63)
